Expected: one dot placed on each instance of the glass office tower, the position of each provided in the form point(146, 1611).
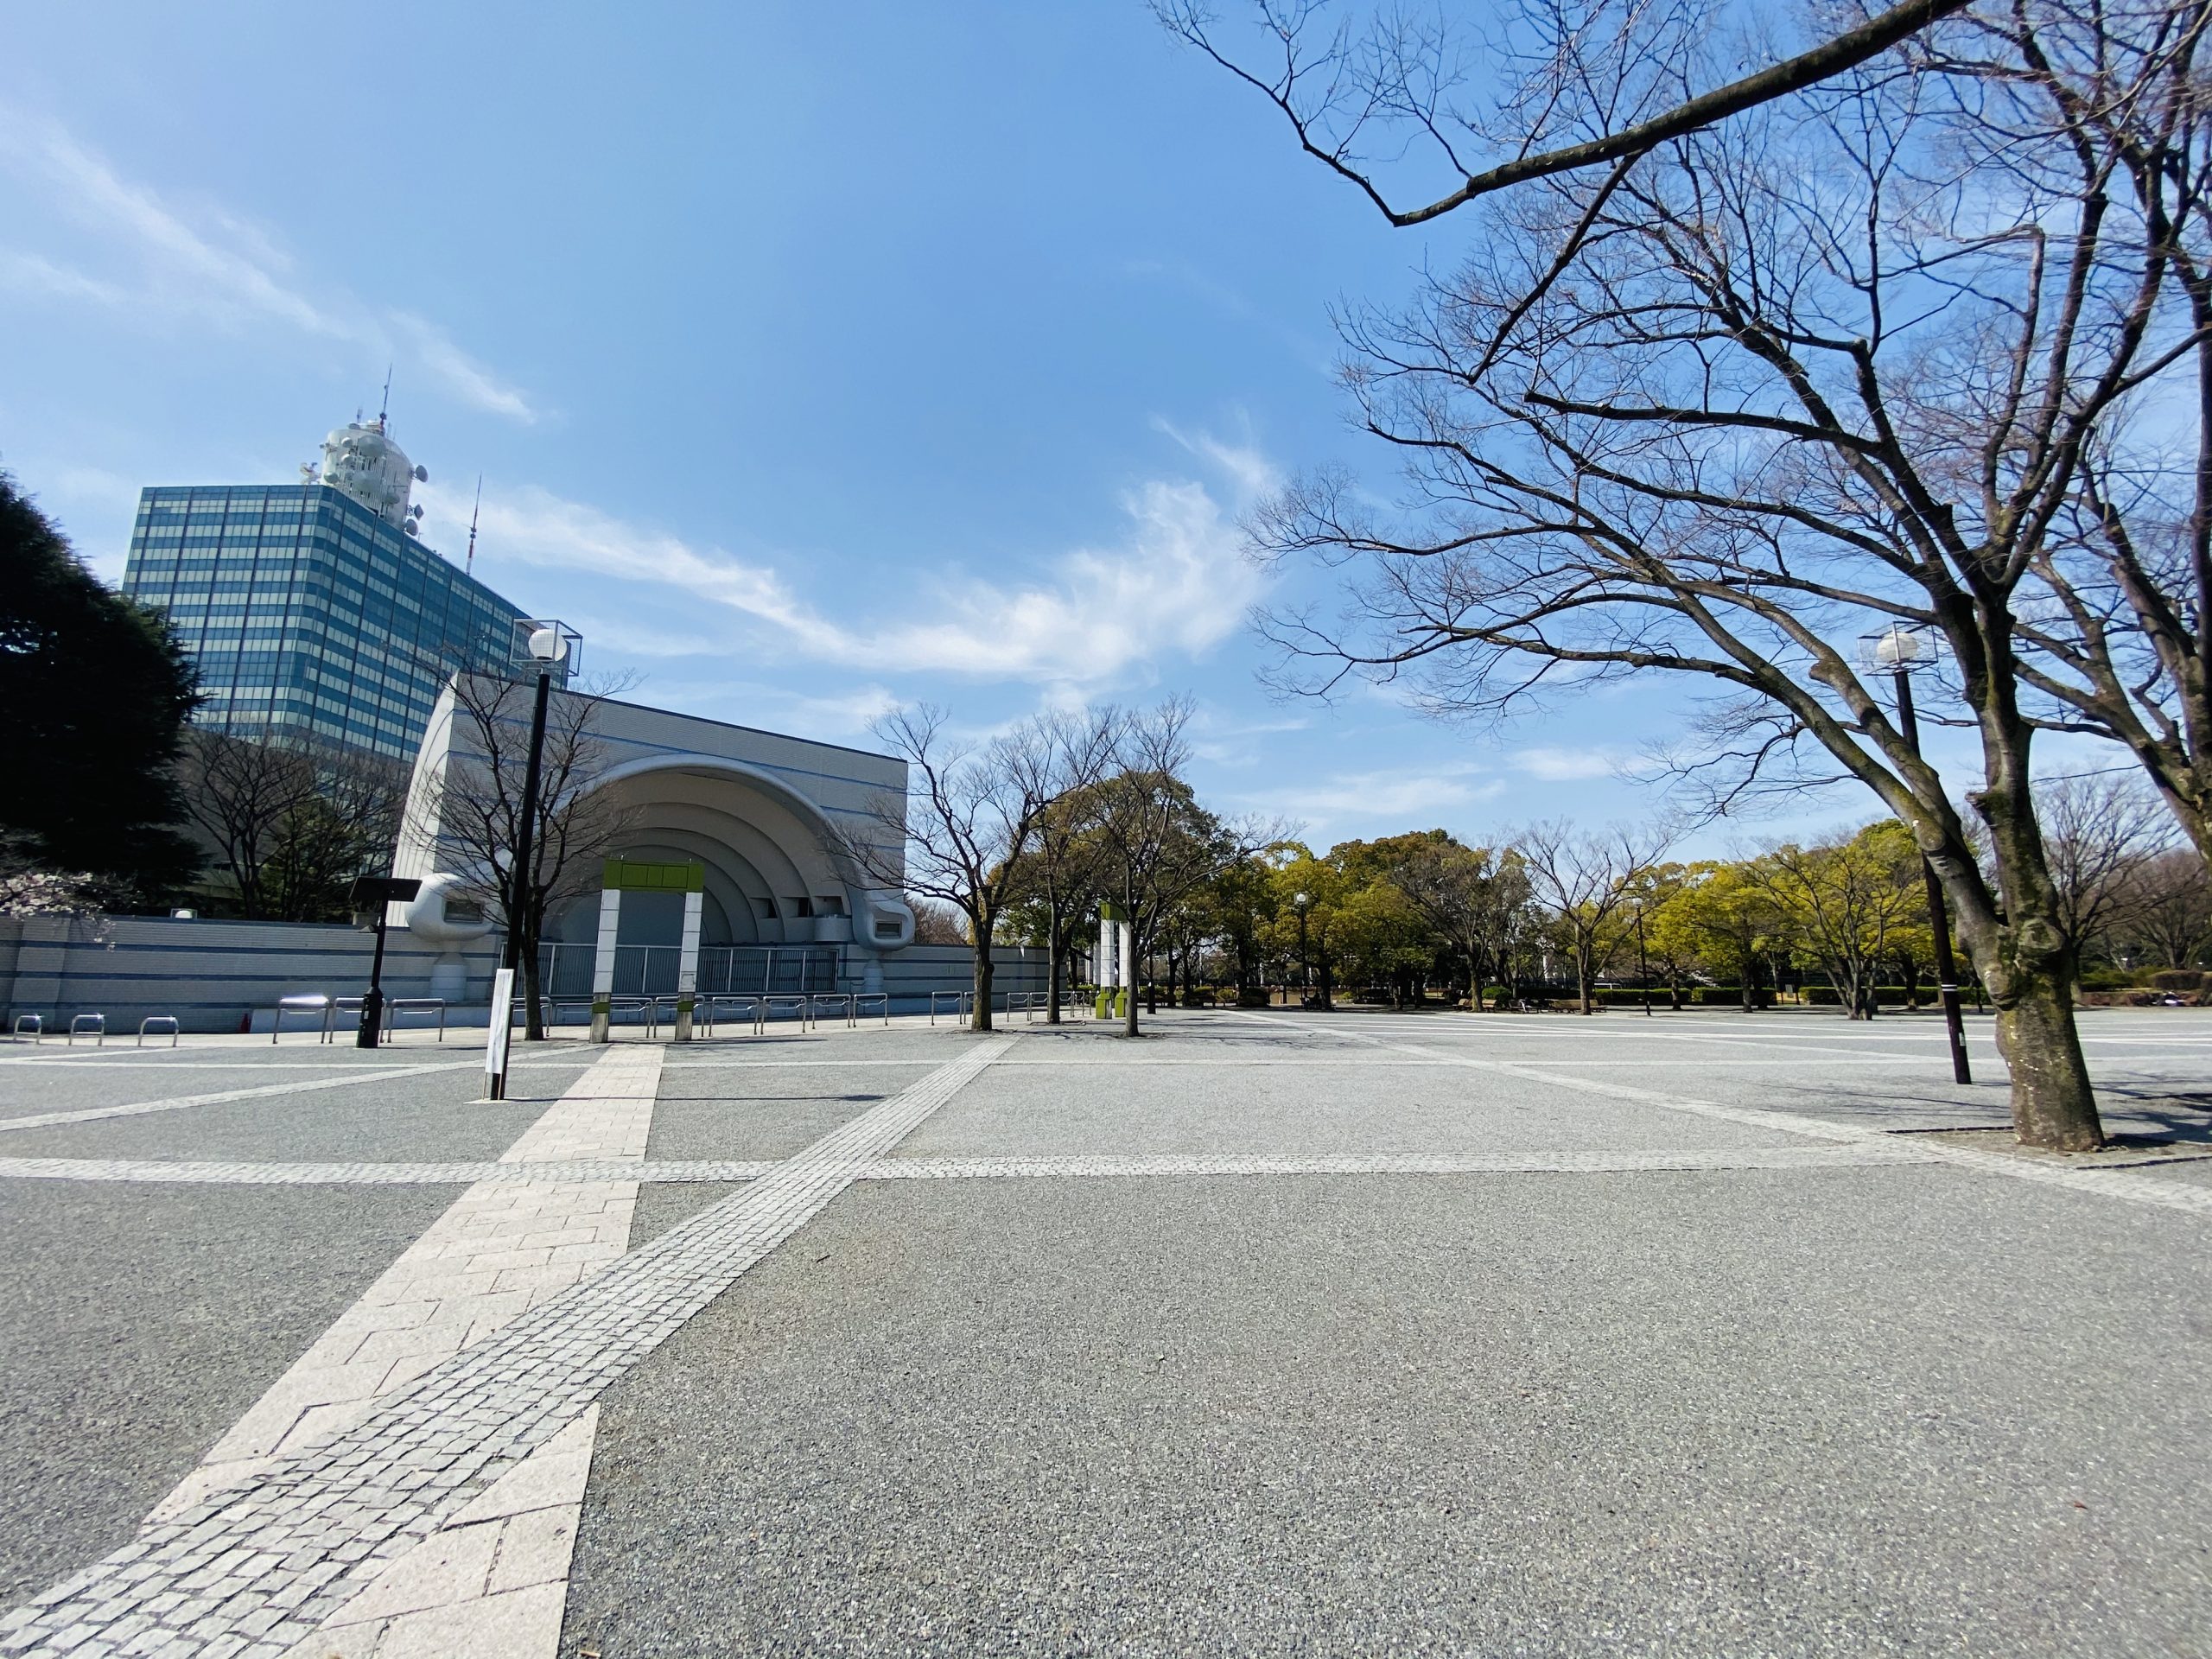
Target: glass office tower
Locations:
point(310, 610)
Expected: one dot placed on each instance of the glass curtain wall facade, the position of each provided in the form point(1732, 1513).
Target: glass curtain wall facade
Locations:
point(308, 616)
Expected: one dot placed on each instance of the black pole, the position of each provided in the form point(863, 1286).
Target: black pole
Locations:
point(525, 824)
point(1939, 920)
point(372, 1003)
point(1643, 965)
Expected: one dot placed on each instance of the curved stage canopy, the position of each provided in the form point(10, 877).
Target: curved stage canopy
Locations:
point(773, 820)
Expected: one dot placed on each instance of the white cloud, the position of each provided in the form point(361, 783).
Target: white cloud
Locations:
point(1175, 583)
point(1568, 766)
point(218, 272)
point(1412, 798)
point(1253, 473)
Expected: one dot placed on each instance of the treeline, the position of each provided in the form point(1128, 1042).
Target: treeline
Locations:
point(1021, 840)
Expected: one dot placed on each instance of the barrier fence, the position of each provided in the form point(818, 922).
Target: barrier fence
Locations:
point(565, 970)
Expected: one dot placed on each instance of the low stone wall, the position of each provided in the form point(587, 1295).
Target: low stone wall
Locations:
point(217, 976)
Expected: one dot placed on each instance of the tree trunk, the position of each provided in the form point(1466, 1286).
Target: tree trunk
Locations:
point(1586, 1001)
point(1674, 988)
point(2022, 955)
point(533, 1028)
point(1748, 990)
point(2053, 1102)
point(2029, 969)
point(984, 968)
point(1053, 962)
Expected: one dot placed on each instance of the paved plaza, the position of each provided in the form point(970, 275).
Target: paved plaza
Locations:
point(1272, 1332)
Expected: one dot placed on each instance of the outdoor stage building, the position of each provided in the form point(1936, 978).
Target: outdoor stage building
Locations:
point(770, 821)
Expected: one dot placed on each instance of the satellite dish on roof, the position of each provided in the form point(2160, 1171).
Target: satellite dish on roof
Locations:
point(422, 475)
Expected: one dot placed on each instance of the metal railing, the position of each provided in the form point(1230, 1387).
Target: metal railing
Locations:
point(176, 1029)
point(565, 970)
point(310, 1003)
point(399, 1005)
point(32, 1024)
point(882, 999)
point(964, 1004)
point(802, 1005)
point(707, 1011)
point(88, 1024)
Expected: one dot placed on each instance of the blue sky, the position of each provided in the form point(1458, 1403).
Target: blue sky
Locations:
point(815, 359)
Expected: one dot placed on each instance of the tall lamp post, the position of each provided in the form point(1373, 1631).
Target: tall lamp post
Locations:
point(550, 647)
point(1298, 902)
point(374, 895)
point(1898, 648)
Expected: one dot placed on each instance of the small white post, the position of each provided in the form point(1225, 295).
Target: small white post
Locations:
point(687, 965)
point(602, 965)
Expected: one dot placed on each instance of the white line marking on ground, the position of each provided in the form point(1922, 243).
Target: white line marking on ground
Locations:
point(257, 1568)
point(206, 1172)
point(2106, 1183)
point(177, 1104)
point(1128, 1165)
point(683, 1171)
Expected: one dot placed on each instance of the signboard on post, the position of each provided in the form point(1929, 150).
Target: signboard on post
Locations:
point(495, 1039)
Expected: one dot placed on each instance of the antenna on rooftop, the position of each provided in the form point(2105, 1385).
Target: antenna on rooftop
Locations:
point(384, 413)
point(469, 568)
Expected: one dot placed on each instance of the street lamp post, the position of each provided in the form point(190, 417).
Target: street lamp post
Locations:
point(374, 895)
point(548, 647)
point(1298, 902)
point(1897, 649)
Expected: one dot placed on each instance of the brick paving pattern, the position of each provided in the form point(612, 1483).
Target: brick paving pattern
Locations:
point(255, 1569)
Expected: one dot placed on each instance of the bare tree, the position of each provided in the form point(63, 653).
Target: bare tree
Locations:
point(2099, 831)
point(1761, 393)
point(1588, 84)
point(292, 823)
point(478, 809)
point(239, 793)
point(1589, 883)
point(936, 923)
point(968, 819)
point(2168, 907)
point(2091, 124)
point(348, 828)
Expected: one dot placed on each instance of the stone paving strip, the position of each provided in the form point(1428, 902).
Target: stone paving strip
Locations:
point(259, 1569)
point(503, 1246)
point(2107, 1182)
point(178, 1103)
point(678, 1171)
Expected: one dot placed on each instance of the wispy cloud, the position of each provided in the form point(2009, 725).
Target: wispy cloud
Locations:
point(207, 267)
point(1173, 583)
point(1416, 796)
point(1568, 765)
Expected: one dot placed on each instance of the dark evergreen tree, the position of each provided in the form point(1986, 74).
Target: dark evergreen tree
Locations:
point(96, 691)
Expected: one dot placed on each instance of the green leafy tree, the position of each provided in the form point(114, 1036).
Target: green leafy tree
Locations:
point(98, 689)
point(1847, 898)
point(1720, 919)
